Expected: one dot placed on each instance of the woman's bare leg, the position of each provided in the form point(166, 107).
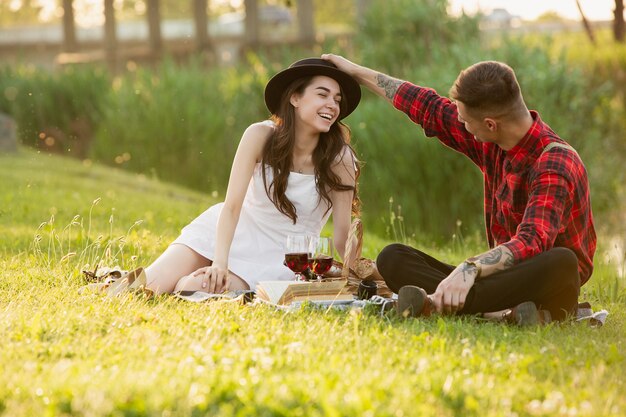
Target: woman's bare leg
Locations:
point(176, 262)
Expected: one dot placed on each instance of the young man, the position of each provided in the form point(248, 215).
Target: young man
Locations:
point(537, 207)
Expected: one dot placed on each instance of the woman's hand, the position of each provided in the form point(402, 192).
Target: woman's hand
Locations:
point(215, 280)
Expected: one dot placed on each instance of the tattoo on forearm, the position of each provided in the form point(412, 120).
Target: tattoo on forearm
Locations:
point(390, 85)
point(492, 257)
point(508, 261)
point(466, 268)
point(501, 258)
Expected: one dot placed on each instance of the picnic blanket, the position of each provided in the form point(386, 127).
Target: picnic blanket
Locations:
point(586, 314)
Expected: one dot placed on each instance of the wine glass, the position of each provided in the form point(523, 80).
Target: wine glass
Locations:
point(297, 254)
point(321, 256)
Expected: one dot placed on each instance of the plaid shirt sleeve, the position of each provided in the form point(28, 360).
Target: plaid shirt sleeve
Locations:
point(549, 204)
point(438, 116)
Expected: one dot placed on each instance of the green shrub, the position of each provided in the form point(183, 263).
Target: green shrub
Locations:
point(181, 123)
point(58, 111)
point(401, 35)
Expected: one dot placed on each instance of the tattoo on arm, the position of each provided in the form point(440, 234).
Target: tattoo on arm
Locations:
point(492, 257)
point(390, 85)
point(497, 259)
point(468, 269)
point(508, 260)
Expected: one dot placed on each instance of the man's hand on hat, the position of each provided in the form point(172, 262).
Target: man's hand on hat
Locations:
point(342, 63)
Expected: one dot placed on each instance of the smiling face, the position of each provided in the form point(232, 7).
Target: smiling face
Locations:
point(319, 104)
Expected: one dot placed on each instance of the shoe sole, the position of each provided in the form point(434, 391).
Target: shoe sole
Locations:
point(411, 301)
point(527, 314)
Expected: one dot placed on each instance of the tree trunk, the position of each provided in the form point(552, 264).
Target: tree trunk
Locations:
point(200, 22)
point(361, 10)
point(69, 27)
point(154, 28)
point(110, 38)
point(586, 24)
point(252, 24)
point(619, 27)
point(306, 22)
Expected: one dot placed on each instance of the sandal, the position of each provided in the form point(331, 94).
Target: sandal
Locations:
point(134, 280)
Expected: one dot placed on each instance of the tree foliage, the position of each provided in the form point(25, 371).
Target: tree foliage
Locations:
point(24, 12)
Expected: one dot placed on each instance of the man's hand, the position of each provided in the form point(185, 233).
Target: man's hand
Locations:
point(450, 295)
point(381, 84)
point(342, 63)
point(215, 280)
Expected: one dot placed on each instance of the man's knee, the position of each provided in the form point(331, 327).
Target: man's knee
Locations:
point(563, 271)
point(564, 259)
point(389, 258)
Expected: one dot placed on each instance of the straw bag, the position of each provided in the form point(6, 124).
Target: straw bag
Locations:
point(361, 268)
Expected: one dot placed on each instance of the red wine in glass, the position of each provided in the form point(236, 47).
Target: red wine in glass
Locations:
point(297, 254)
point(321, 264)
point(298, 262)
point(321, 259)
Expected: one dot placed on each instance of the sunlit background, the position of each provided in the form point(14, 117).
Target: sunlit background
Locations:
point(161, 65)
point(90, 12)
point(532, 9)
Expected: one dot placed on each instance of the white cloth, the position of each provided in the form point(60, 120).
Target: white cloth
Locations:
point(257, 251)
point(586, 313)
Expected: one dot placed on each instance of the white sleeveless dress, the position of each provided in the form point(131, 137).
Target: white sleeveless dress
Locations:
point(257, 251)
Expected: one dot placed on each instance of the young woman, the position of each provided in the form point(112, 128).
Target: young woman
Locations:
point(288, 175)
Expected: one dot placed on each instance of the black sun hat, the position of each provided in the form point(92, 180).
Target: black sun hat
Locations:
point(311, 67)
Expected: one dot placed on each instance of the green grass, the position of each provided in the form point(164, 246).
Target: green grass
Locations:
point(68, 354)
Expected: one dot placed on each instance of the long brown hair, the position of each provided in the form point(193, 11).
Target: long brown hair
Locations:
point(278, 154)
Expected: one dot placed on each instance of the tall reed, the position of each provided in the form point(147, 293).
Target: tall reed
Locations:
point(57, 111)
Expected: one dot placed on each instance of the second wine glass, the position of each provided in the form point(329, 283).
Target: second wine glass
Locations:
point(322, 255)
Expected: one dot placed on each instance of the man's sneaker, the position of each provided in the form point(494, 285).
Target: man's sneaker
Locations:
point(527, 314)
point(413, 302)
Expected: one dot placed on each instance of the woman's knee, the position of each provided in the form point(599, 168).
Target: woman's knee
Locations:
point(194, 283)
point(188, 283)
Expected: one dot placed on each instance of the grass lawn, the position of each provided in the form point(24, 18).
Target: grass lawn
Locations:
point(63, 353)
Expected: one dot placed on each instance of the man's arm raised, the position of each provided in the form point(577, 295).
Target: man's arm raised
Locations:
point(379, 83)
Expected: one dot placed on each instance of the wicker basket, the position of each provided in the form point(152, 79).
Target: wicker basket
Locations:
point(360, 268)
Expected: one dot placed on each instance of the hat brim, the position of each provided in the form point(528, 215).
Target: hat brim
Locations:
point(351, 91)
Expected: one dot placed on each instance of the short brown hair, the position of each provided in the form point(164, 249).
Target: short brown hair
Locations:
point(489, 88)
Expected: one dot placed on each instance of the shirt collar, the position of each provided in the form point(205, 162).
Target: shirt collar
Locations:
point(517, 155)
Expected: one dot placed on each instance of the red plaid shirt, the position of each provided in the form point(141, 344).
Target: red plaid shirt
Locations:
point(534, 201)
